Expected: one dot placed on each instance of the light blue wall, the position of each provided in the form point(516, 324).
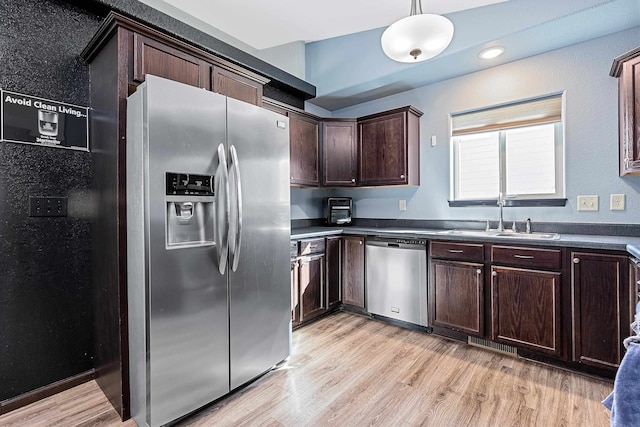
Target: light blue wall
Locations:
point(591, 136)
point(353, 69)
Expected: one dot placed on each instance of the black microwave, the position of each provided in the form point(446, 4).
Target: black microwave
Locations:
point(338, 210)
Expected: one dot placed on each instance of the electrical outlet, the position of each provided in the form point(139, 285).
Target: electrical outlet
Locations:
point(402, 205)
point(617, 202)
point(47, 206)
point(587, 203)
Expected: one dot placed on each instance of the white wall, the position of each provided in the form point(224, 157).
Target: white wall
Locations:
point(591, 135)
point(289, 57)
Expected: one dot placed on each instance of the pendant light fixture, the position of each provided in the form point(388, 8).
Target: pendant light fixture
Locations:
point(417, 37)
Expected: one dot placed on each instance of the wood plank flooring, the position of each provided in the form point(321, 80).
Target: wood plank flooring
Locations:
point(348, 370)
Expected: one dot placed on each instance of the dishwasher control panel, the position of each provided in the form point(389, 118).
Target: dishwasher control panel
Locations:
point(391, 240)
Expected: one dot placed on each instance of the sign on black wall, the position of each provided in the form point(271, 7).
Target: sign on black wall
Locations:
point(30, 120)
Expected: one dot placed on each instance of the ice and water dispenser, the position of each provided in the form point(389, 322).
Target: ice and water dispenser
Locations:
point(190, 212)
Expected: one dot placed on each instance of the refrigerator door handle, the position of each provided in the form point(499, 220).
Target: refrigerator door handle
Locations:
point(221, 191)
point(234, 166)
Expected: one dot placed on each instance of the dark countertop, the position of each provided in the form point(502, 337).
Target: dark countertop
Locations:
point(582, 241)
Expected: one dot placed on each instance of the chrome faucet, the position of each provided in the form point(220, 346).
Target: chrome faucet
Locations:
point(500, 205)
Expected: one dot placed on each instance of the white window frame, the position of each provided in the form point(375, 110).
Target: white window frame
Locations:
point(559, 157)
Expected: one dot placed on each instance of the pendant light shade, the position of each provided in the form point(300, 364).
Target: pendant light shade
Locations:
point(417, 37)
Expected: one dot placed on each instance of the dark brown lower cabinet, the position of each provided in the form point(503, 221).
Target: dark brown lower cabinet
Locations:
point(525, 309)
point(295, 293)
point(601, 305)
point(353, 271)
point(458, 296)
point(333, 253)
point(311, 287)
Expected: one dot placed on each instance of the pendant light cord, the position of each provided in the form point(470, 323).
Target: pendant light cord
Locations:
point(414, 10)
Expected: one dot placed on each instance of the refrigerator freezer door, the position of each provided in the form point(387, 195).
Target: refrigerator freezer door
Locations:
point(259, 294)
point(188, 325)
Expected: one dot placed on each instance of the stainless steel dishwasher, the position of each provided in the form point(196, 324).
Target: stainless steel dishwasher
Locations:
point(396, 279)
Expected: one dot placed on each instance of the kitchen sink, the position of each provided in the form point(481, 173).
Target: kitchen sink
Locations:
point(506, 233)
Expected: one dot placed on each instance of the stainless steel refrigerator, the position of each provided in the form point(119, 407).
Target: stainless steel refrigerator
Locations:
point(208, 225)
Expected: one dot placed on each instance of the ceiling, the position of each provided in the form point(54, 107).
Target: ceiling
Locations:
point(343, 58)
point(265, 24)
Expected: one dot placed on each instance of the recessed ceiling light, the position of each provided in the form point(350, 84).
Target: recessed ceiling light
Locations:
point(492, 52)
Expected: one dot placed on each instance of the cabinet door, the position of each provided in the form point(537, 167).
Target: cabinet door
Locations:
point(457, 295)
point(389, 147)
point(156, 58)
point(383, 151)
point(634, 285)
point(339, 153)
point(295, 293)
point(601, 305)
point(236, 86)
point(353, 271)
point(333, 253)
point(304, 150)
point(525, 309)
point(629, 111)
point(311, 285)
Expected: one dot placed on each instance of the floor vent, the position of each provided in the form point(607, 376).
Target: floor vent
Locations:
point(500, 348)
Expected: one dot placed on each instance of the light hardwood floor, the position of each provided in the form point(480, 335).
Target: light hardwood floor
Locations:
point(348, 370)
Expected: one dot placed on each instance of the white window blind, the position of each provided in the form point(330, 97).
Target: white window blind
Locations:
point(478, 163)
point(514, 149)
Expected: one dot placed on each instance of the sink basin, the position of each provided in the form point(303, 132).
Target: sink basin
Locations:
point(508, 234)
point(548, 236)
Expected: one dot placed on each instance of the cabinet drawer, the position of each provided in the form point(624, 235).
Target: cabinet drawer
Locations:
point(311, 246)
point(548, 259)
point(457, 251)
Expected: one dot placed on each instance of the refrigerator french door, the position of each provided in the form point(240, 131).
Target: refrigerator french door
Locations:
point(208, 224)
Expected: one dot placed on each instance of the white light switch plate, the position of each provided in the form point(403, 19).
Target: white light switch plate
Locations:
point(587, 203)
point(402, 205)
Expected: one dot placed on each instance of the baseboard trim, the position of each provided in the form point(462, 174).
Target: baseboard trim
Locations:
point(45, 391)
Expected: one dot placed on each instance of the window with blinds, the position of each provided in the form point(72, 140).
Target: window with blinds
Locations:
point(513, 149)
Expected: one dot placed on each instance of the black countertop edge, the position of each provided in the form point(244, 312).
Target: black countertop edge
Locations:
point(180, 30)
point(627, 230)
point(576, 241)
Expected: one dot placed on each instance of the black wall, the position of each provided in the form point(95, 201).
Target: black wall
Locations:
point(46, 294)
point(46, 298)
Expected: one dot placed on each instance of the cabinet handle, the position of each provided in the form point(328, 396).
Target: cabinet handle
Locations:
point(290, 177)
point(524, 256)
point(456, 251)
point(494, 273)
point(401, 176)
point(576, 260)
point(638, 282)
point(360, 242)
point(353, 180)
point(478, 272)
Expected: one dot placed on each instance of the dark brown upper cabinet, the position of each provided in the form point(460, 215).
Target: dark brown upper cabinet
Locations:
point(236, 86)
point(389, 147)
point(157, 54)
point(154, 57)
point(339, 153)
point(304, 146)
point(626, 68)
